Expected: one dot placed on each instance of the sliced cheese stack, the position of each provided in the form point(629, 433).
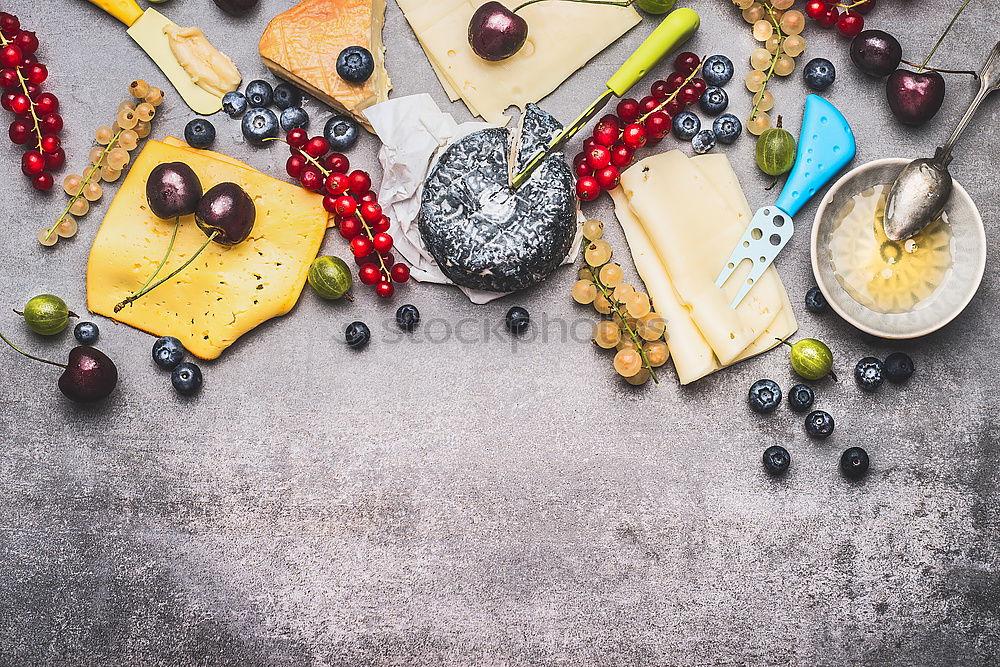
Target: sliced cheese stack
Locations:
point(227, 291)
point(562, 38)
point(681, 217)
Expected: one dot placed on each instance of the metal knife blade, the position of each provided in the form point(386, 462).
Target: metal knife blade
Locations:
point(769, 231)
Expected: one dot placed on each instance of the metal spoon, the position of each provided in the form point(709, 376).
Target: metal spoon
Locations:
point(922, 189)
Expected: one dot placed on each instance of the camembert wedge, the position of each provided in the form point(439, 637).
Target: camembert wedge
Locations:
point(302, 45)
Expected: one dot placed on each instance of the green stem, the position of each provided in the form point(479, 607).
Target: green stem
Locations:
point(163, 262)
point(147, 290)
point(974, 75)
point(946, 31)
point(622, 3)
point(759, 95)
point(30, 356)
point(672, 96)
point(616, 306)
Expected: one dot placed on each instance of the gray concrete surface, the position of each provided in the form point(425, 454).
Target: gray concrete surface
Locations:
point(443, 499)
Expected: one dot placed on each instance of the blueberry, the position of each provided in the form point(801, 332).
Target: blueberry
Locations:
point(357, 334)
point(287, 96)
point(898, 367)
point(819, 74)
point(355, 64)
point(407, 317)
point(293, 117)
point(776, 459)
point(800, 398)
point(727, 128)
point(86, 333)
point(259, 94)
point(815, 301)
point(819, 424)
point(167, 352)
point(186, 379)
point(703, 142)
point(235, 104)
point(714, 101)
point(517, 320)
point(764, 396)
point(717, 70)
point(199, 133)
point(342, 132)
point(686, 125)
point(854, 462)
point(868, 373)
point(260, 125)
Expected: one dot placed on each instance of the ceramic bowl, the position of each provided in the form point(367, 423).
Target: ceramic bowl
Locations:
point(951, 297)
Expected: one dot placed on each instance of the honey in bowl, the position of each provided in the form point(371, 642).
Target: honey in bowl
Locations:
point(883, 275)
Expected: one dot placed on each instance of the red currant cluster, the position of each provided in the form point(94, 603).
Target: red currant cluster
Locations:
point(637, 123)
point(849, 22)
point(37, 124)
point(348, 196)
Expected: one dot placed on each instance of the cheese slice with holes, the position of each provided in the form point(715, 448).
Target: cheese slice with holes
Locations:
point(690, 348)
point(227, 291)
point(562, 38)
point(302, 45)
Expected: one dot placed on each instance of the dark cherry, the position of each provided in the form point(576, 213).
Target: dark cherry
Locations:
point(496, 33)
point(173, 190)
point(89, 376)
point(914, 97)
point(228, 212)
point(876, 52)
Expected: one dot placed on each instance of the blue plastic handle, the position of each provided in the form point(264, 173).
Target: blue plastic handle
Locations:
point(826, 145)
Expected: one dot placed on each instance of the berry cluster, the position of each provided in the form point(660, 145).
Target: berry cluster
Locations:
point(637, 123)
point(849, 22)
point(38, 123)
point(107, 159)
point(348, 196)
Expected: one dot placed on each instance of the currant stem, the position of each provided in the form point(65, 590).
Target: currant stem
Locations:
point(24, 88)
point(146, 290)
point(31, 356)
point(623, 3)
point(759, 95)
point(945, 34)
point(672, 96)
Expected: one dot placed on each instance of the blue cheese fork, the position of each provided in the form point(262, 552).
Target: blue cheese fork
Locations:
point(826, 145)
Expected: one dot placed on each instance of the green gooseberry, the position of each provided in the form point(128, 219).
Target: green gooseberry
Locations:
point(46, 314)
point(656, 6)
point(775, 150)
point(330, 277)
point(811, 359)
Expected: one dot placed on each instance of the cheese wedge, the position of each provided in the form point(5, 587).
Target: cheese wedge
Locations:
point(227, 291)
point(562, 38)
point(690, 349)
point(302, 45)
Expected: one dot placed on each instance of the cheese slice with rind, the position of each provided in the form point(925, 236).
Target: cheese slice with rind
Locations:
point(227, 291)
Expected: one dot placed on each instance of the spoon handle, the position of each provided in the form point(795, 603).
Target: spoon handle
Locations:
point(988, 83)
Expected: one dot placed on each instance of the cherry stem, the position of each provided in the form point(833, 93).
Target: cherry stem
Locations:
point(326, 173)
point(163, 262)
point(24, 88)
point(31, 356)
point(974, 75)
point(945, 34)
point(146, 290)
point(613, 3)
point(672, 96)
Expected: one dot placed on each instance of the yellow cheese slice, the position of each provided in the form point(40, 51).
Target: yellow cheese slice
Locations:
point(562, 38)
point(693, 231)
point(226, 291)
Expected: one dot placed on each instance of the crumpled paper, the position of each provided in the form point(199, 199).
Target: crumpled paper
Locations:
point(414, 132)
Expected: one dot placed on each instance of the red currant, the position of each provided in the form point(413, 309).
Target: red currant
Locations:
point(400, 273)
point(381, 225)
point(589, 144)
point(311, 178)
point(329, 203)
point(382, 242)
point(32, 163)
point(658, 125)
point(673, 107)
point(368, 197)
point(699, 84)
point(42, 181)
point(359, 182)
point(50, 143)
point(608, 178)
point(37, 74)
point(829, 17)
point(689, 94)
point(588, 189)
point(850, 24)
point(346, 206)
point(815, 9)
point(387, 258)
point(21, 104)
point(316, 147)
point(582, 168)
point(337, 162)
point(11, 56)
point(622, 155)
point(361, 246)
point(9, 25)
point(20, 131)
point(686, 62)
point(28, 42)
point(46, 103)
point(384, 289)
point(8, 79)
point(628, 110)
point(660, 90)
point(7, 100)
point(55, 160)
point(648, 104)
point(294, 165)
point(336, 183)
point(369, 274)
point(675, 81)
point(349, 227)
point(598, 157)
point(297, 138)
point(371, 212)
point(607, 130)
point(634, 136)
point(52, 122)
